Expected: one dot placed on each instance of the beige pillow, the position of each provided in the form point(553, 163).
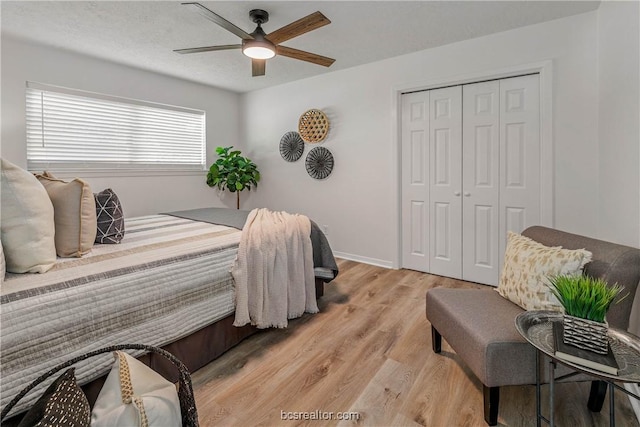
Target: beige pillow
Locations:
point(528, 265)
point(74, 212)
point(26, 222)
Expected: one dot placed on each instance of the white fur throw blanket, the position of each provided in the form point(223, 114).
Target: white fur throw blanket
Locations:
point(273, 271)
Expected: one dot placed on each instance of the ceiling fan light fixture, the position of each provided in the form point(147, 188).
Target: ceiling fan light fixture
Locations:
point(258, 49)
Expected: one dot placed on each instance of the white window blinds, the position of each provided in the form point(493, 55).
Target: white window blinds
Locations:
point(75, 130)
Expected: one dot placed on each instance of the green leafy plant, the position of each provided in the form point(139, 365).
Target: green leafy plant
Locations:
point(585, 297)
point(233, 172)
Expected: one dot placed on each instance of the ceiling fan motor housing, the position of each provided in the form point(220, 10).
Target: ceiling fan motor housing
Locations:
point(259, 16)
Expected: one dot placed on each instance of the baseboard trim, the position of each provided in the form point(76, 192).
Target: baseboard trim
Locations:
point(364, 259)
point(635, 403)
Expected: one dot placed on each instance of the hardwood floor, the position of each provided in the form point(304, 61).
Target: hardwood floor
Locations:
point(368, 352)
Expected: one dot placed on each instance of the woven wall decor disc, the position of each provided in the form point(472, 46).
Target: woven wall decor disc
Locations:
point(313, 126)
point(319, 163)
point(291, 146)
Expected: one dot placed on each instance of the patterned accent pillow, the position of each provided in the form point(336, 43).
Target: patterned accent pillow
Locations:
point(528, 265)
point(110, 217)
point(62, 404)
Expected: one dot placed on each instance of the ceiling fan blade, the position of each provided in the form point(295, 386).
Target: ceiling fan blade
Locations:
point(258, 67)
point(208, 48)
point(301, 26)
point(304, 56)
point(219, 20)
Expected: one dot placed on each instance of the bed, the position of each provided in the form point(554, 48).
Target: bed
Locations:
point(167, 284)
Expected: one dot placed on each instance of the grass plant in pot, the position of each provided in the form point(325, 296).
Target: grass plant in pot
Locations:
point(233, 172)
point(586, 301)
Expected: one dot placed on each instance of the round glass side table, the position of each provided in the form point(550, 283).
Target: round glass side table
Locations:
point(537, 328)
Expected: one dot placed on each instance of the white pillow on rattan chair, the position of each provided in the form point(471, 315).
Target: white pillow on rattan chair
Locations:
point(136, 395)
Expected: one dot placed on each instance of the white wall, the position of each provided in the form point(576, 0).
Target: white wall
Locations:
point(619, 134)
point(619, 125)
point(139, 195)
point(358, 201)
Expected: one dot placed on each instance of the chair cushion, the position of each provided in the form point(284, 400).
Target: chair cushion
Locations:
point(479, 325)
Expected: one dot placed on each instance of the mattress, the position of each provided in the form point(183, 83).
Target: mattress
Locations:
point(168, 278)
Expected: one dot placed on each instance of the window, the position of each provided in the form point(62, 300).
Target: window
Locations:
point(69, 129)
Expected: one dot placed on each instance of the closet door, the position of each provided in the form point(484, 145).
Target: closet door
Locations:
point(415, 181)
point(480, 182)
point(470, 174)
point(519, 155)
point(445, 199)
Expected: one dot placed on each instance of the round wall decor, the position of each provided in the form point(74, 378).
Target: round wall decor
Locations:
point(319, 163)
point(291, 146)
point(313, 126)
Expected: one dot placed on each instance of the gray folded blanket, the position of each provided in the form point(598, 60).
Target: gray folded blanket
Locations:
point(322, 253)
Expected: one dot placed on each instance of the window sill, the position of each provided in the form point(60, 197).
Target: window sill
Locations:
point(98, 173)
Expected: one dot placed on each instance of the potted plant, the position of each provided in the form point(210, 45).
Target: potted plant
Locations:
point(233, 172)
point(586, 301)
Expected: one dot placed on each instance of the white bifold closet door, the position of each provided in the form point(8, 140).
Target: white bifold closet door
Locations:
point(481, 182)
point(445, 201)
point(415, 181)
point(470, 173)
point(519, 155)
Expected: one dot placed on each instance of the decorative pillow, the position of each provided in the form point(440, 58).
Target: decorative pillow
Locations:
point(135, 395)
point(528, 265)
point(26, 222)
point(62, 404)
point(74, 213)
point(110, 217)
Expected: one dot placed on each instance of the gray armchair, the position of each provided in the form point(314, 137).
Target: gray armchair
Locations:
point(479, 324)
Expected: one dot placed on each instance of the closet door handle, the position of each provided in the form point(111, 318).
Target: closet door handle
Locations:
point(467, 194)
point(456, 193)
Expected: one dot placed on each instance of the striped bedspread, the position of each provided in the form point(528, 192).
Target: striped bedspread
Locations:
point(168, 278)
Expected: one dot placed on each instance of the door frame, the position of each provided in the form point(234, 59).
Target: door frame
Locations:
point(547, 171)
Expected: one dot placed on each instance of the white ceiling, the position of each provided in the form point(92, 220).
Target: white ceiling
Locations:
point(144, 33)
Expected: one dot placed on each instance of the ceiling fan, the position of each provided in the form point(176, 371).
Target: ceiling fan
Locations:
point(260, 46)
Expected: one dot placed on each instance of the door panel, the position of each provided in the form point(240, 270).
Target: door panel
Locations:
point(520, 155)
point(480, 177)
point(446, 181)
point(415, 181)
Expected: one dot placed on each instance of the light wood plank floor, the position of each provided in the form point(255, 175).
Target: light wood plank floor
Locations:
point(369, 351)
